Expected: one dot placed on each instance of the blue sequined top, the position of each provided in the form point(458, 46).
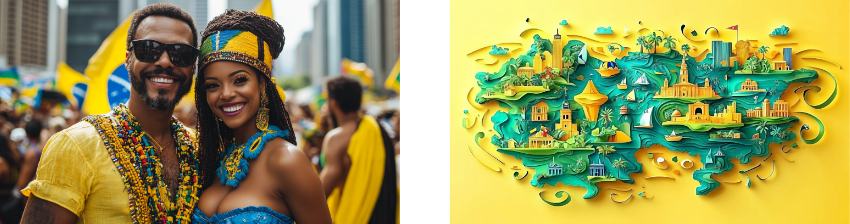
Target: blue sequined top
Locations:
point(251, 214)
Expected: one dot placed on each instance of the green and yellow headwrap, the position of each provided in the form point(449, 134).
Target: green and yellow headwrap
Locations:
point(238, 46)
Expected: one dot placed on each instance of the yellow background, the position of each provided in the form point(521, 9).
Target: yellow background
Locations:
point(813, 189)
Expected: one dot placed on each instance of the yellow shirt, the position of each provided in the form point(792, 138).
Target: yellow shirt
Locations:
point(77, 173)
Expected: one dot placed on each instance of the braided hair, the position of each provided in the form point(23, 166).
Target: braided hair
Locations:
point(214, 134)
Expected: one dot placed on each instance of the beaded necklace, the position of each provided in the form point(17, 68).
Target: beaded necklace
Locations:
point(234, 167)
point(141, 171)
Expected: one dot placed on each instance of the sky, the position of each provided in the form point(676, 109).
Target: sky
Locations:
point(295, 16)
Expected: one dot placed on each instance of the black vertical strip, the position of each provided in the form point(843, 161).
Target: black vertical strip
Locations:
point(385, 207)
point(260, 50)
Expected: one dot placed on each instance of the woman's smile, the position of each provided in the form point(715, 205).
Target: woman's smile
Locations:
point(231, 109)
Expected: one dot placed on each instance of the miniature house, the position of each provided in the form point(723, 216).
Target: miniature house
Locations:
point(780, 65)
point(597, 169)
point(698, 113)
point(555, 169)
point(525, 71)
point(539, 112)
point(749, 85)
point(541, 140)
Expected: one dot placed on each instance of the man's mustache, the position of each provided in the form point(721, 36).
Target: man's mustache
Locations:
point(161, 71)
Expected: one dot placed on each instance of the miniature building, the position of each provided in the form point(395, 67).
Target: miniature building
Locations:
point(541, 140)
point(749, 85)
point(624, 110)
point(590, 99)
point(709, 159)
point(512, 144)
point(780, 65)
point(557, 47)
point(566, 122)
point(676, 113)
point(525, 71)
point(597, 169)
point(698, 113)
point(780, 109)
point(684, 88)
point(539, 112)
point(786, 54)
point(555, 169)
point(538, 63)
point(721, 50)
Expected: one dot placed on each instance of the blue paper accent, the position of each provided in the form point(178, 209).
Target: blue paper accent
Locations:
point(234, 179)
point(118, 87)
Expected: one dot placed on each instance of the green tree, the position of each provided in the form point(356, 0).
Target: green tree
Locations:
point(611, 48)
point(762, 50)
point(685, 49)
point(641, 41)
point(606, 116)
point(762, 127)
point(570, 60)
point(619, 163)
point(604, 150)
point(655, 40)
point(670, 43)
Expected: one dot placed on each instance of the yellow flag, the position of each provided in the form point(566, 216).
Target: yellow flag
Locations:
point(394, 79)
point(264, 8)
point(109, 80)
point(71, 83)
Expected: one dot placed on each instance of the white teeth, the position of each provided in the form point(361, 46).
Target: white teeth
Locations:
point(233, 108)
point(161, 80)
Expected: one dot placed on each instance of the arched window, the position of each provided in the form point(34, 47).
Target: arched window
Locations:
point(698, 111)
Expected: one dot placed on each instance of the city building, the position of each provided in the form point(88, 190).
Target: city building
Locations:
point(539, 112)
point(721, 51)
point(780, 109)
point(750, 86)
point(597, 169)
point(525, 71)
point(566, 122)
point(32, 37)
point(319, 44)
point(786, 55)
point(541, 139)
point(780, 65)
point(558, 51)
point(303, 54)
point(555, 169)
point(538, 63)
point(685, 88)
point(698, 113)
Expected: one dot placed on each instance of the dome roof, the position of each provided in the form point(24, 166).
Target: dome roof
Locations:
point(676, 113)
point(624, 110)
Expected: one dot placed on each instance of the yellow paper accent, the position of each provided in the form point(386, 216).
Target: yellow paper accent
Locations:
point(393, 79)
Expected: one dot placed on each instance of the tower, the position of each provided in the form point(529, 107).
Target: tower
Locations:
point(765, 105)
point(566, 121)
point(558, 51)
point(683, 72)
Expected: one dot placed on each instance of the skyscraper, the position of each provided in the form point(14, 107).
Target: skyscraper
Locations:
point(786, 54)
point(319, 44)
point(303, 54)
point(24, 29)
point(721, 52)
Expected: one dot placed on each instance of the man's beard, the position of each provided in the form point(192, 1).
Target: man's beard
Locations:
point(161, 102)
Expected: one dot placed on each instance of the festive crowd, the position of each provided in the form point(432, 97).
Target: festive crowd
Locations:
point(168, 156)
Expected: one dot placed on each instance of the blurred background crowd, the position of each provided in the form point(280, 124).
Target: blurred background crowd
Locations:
point(61, 60)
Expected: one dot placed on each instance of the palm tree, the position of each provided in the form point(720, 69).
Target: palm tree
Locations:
point(605, 150)
point(611, 49)
point(762, 127)
point(606, 116)
point(619, 163)
point(656, 40)
point(670, 43)
point(649, 45)
point(515, 66)
point(641, 41)
point(685, 49)
point(762, 50)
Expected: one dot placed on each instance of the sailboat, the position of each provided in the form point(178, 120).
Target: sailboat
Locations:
point(673, 137)
point(623, 84)
point(645, 118)
point(631, 96)
point(642, 80)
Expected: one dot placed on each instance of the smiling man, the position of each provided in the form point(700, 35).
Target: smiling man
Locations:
point(136, 164)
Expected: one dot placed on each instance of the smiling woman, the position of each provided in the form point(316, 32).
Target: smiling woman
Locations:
point(241, 114)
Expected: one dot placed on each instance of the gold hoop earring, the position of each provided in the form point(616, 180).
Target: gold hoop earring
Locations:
point(263, 113)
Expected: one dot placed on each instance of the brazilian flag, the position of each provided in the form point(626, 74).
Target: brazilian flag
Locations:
point(393, 80)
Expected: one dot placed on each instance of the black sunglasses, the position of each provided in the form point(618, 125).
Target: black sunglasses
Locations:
point(182, 55)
